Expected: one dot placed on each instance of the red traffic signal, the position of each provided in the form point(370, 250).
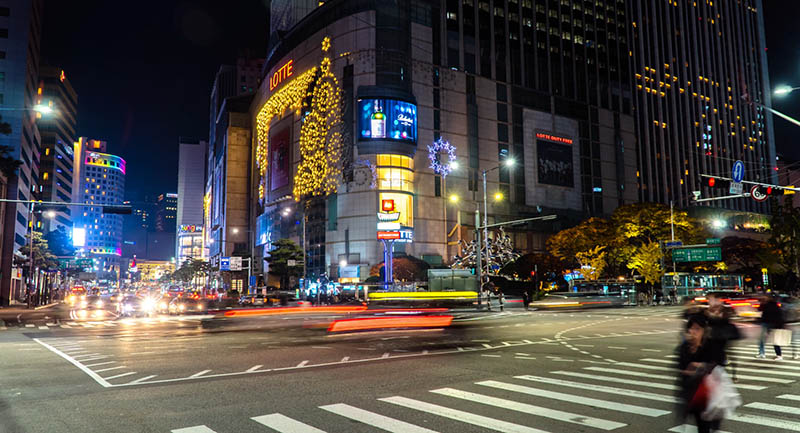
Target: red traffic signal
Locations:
point(717, 183)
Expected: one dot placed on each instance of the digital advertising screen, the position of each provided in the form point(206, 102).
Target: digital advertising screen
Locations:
point(554, 162)
point(279, 159)
point(387, 119)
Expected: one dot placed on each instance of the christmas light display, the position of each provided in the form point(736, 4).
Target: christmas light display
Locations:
point(320, 136)
point(435, 150)
point(497, 254)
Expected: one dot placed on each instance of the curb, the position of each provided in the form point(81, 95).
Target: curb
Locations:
point(45, 306)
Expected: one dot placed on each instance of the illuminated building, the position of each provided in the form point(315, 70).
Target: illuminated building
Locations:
point(99, 179)
point(191, 183)
point(700, 73)
point(545, 84)
point(58, 135)
point(166, 212)
point(19, 75)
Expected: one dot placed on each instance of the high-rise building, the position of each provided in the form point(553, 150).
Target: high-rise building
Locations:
point(545, 84)
point(700, 74)
point(58, 135)
point(166, 212)
point(99, 180)
point(191, 189)
point(20, 35)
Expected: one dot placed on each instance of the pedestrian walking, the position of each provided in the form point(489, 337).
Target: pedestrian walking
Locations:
point(501, 298)
point(771, 320)
point(721, 329)
point(526, 299)
point(695, 362)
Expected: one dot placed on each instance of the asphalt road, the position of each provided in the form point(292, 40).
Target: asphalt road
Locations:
point(598, 370)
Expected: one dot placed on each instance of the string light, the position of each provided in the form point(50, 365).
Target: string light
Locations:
point(321, 140)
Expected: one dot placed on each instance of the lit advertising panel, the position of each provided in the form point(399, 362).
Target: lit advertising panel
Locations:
point(78, 237)
point(387, 119)
point(554, 160)
point(279, 159)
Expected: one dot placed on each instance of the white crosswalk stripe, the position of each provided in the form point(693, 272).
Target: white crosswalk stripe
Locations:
point(374, 419)
point(665, 377)
point(284, 424)
point(460, 415)
point(688, 428)
point(774, 407)
point(195, 429)
point(738, 369)
point(618, 380)
point(602, 388)
point(790, 397)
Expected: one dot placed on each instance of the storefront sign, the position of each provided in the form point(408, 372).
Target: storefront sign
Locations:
point(281, 75)
point(388, 226)
point(382, 235)
point(190, 228)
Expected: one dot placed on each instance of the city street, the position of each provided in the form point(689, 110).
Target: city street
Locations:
point(609, 369)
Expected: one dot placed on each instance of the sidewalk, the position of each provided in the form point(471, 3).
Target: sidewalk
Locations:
point(17, 310)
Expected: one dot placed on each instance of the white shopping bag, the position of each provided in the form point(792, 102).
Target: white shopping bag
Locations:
point(723, 399)
point(780, 337)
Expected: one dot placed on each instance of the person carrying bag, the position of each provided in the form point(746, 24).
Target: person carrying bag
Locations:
point(772, 328)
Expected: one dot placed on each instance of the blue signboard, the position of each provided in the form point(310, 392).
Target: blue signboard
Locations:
point(387, 119)
point(737, 171)
point(225, 264)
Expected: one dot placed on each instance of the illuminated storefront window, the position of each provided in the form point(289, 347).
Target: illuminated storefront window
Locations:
point(403, 204)
point(395, 173)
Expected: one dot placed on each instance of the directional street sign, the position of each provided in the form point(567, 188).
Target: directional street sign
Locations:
point(236, 263)
point(672, 244)
point(712, 241)
point(737, 171)
point(713, 254)
point(225, 264)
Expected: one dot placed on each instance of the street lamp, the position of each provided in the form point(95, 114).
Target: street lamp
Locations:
point(454, 198)
point(498, 196)
point(784, 90)
point(508, 163)
point(718, 223)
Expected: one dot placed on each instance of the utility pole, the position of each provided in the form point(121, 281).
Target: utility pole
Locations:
point(478, 266)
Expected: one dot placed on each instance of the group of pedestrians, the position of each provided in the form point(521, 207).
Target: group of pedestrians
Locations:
point(706, 392)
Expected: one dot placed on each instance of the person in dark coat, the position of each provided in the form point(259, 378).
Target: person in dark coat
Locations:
point(720, 329)
point(695, 361)
point(771, 318)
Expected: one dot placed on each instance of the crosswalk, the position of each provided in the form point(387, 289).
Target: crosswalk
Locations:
point(640, 395)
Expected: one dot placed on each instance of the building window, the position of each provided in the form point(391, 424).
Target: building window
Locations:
point(4, 33)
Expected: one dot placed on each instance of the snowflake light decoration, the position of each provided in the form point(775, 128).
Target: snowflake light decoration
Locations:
point(435, 150)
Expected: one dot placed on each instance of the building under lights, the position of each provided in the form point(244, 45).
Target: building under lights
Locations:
point(547, 85)
point(99, 180)
point(191, 186)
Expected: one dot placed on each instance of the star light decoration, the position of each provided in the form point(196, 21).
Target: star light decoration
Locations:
point(434, 155)
point(320, 137)
point(321, 140)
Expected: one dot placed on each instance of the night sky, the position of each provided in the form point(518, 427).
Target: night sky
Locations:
point(143, 72)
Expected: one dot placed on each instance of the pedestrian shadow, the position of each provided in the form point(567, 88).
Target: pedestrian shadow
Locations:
point(7, 422)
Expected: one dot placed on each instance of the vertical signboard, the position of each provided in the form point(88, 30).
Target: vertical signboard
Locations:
point(279, 159)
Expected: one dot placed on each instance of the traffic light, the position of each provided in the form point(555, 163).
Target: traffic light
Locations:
point(118, 210)
point(772, 191)
point(720, 184)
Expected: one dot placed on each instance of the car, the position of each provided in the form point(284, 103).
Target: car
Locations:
point(578, 300)
point(186, 305)
point(253, 300)
point(130, 305)
point(93, 302)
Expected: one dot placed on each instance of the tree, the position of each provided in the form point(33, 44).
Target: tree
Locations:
point(566, 244)
point(647, 261)
point(278, 259)
point(8, 165)
point(593, 262)
point(43, 258)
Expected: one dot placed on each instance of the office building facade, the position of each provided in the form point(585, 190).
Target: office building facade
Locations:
point(547, 85)
point(701, 84)
point(166, 212)
point(58, 136)
point(20, 35)
point(191, 189)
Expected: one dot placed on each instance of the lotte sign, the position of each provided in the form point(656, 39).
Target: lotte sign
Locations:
point(281, 75)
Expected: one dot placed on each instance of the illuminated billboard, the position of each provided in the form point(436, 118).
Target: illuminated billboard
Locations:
point(387, 119)
point(279, 159)
point(78, 237)
point(554, 160)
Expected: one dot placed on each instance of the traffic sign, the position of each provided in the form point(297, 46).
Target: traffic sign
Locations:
point(737, 171)
point(712, 241)
point(291, 262)
point(225, 264)
point(735, 188)
point(713, 254)
point(670, 244)
point(757, 194)
point(235, 263)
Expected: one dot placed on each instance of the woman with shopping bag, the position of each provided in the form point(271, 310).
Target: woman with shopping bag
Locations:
point(706, 392)
point(772, 328)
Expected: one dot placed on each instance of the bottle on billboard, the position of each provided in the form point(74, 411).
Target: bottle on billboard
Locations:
point(378, 122)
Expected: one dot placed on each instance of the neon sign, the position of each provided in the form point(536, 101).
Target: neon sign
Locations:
point(557, 139)
point(281, 75)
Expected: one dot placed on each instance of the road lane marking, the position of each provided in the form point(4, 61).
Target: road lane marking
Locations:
point(531, 409)
point(617, 347)
point(195, 429)
point(345, 359)
point(302, 363)
point(525, 358)
point(602, 388)
point(650, 350)
point(738, 369)
point(774, 407)
point(254, 368)
point(586, 401)
point(458, 415)
point(790, 397)
point(121, 375)
point(104, 383)
point(142, 379)
point(85, 355)
point(764, 421)
point(284, 424)
point(99, 363)
point(43, 327)
point(491, 356)
point(374, 419)
point(110, 368)
point(689, 428)
point(200, 373)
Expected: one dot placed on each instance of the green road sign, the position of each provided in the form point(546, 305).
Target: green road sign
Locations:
point(712, 241)
point(713, 254)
